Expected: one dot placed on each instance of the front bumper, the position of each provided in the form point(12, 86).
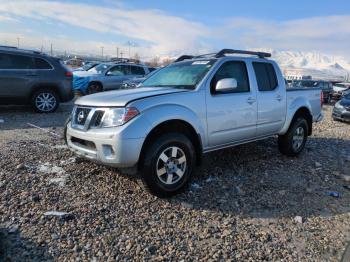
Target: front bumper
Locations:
point(341, 114)
point(105, 145)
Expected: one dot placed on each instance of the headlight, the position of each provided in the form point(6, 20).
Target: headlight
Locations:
point(119, 116)
point(338, 105)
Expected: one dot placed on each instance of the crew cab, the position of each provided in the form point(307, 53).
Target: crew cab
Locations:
point(200, 104)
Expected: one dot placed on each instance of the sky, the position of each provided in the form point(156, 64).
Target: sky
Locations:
point(169, 28)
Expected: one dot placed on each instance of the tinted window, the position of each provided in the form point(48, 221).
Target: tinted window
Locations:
point(8, 61)
point(265, 76)
point(232, 69)
point(42, 64)
point(5, 61)
point(137, 70)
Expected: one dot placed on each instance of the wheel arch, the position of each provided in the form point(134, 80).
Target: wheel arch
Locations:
point(173, 125)
point(43, 86)
point(305, 113)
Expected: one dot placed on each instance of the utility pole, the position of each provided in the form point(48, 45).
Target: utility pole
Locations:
point(102, 51)
point(17, 42)
point(117, 52)
point(121, 54)
point(129, 43)
point(51, 51)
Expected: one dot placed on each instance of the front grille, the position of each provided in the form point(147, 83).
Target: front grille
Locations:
point(81, 114)
point(98, 118)
point(85, 117)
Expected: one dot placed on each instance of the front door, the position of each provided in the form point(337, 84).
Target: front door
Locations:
point(231, 116)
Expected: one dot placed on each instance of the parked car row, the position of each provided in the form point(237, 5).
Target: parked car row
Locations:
point(108, 76)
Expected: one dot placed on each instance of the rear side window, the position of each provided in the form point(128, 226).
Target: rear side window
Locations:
point(137, 70)
point(42, 64)
point(232, 69)
point(9, 61)
point(265, 76)
point(117, 71)
point(5, 61)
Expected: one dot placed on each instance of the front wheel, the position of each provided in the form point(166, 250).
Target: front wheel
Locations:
point(168, 165)
point(293, 142)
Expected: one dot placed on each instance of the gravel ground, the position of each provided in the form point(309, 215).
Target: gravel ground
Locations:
point(248, 203)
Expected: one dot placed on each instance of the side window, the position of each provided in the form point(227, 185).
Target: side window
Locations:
point(137, 70)
point(9, 61)
point(116, 71)
point(41, 64)
point(265, 76)
point(5, 61)
point(22, 62)
point(232, 69)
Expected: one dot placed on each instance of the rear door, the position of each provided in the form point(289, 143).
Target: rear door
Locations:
point(231, 116)
point(271, 97)
point(17, 73)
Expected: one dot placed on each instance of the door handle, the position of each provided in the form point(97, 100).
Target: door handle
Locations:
point(250, 100)
point(31, 74)
point(279, 97)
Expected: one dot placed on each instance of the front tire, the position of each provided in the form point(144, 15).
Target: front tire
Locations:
point(168, 165)
point(45, 101)
point(293, 142)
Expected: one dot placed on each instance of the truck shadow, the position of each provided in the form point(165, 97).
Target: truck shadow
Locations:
point(255, 180)
point(14, 247)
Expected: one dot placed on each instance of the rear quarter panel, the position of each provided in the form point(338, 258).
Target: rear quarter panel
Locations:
point(298, 98)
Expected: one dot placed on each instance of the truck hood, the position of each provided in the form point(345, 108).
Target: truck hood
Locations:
point(120, 98)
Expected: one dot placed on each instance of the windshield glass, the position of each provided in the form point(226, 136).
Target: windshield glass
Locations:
point(185, 74)
point(99, 69)
point(88, 66)
point(340, 85)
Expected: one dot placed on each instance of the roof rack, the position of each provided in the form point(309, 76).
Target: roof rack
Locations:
point(183, 57)
point(123, 60)
point(242, 52)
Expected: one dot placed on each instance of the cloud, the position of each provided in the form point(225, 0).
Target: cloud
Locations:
point(330, 34)
point(159, 31)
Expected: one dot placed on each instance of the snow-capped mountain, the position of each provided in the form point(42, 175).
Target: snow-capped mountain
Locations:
point(314, 64)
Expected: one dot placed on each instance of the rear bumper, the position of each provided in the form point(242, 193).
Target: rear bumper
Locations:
point(319, 117)
point(105, 146)
point(66, 92)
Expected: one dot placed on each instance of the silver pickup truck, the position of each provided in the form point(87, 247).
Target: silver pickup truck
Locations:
point(188, 108)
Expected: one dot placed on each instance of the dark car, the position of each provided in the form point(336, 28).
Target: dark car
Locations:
point(341, 110)
point(30, 77)
point(326, 86)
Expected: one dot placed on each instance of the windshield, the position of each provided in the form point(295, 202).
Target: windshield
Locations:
point(185, 74)
point(88, 66)
point(99, 69)
point(340, 85)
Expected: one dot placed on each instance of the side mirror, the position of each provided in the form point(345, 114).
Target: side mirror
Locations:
point(226, 85)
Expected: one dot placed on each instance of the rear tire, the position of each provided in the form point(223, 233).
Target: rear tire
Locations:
point(293, 142)
point(45, 101)
point(168, 165)
point(94, 88)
